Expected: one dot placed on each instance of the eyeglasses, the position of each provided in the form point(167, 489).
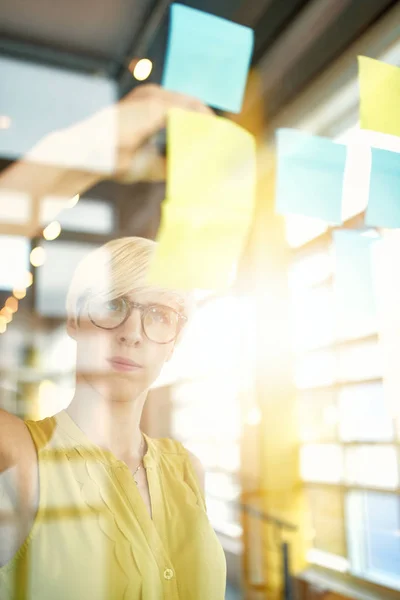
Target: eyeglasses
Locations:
point(160, 324)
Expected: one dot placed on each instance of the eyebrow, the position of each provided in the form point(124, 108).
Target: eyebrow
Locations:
point(167, 302)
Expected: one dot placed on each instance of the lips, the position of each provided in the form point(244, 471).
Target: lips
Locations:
point(124, 364)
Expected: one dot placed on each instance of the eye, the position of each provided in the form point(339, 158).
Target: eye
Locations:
point(161, 315)
point(112, 305)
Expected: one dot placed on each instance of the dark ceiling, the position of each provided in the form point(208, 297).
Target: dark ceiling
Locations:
point(104, 35)
point(294, 41)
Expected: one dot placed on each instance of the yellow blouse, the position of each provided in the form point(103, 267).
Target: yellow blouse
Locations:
point(93, 537)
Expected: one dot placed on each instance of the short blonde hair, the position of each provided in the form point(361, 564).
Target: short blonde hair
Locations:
point(116, 269)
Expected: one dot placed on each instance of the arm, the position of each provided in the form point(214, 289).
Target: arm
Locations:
point(18, 484)
point(120, 131)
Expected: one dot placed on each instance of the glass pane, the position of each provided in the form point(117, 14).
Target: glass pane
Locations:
point(15, 207)
point(310, 270)
point(375, 466)
point(229, 457)
point(54, 277)
point(14, 253)
point(321, 462)
point(327, 520)
point(364, 414)
point(316, 369)
point(300, 229)
point(221, 513)
point(317, 416)
point(91, 216)
point(359, 361)
point(221, 485)
point(353, 284)
point(313, 318)
point(383, 532)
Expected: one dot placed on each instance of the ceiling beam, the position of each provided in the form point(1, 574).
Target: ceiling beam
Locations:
point(45, 55)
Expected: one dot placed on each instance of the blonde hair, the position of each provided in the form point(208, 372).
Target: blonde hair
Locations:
point(116, 269)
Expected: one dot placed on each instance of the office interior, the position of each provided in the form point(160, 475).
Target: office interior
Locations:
point(283, 403)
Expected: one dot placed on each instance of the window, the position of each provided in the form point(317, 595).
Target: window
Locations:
point(54, 277)
point(88, 215)
point(374, 536)
point(367, 400)
point(14, 253)
point(326, 512)
point(206, 413)
point(349, 455)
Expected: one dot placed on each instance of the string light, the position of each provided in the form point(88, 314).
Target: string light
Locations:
point(38, 256)
point(28, 280)
point(3, 324)
point(52, 231)
point(6, 314)
point(73, 202)
point(19, 293)
point(12, 304)
point(142, 69)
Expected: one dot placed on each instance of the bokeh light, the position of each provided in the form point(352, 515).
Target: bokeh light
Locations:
point(73, 202)
point(12, 304)
point(38, 256)
point(52, 231)
point(6, 313)
point(19, 293)
point(5, 122)
point(142, 69)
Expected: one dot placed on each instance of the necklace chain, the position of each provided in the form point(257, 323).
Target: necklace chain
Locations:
point(140, 463)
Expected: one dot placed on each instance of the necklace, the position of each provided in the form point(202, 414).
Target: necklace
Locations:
point(139, 465)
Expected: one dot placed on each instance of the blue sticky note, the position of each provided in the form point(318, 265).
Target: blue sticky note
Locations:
point(353, 283)
point(383, 208)
point(207, 57)
point(310, 173)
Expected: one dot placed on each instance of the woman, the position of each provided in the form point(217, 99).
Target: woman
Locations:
point(92, 508)
point(119, 515)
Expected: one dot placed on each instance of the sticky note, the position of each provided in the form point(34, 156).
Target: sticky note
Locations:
point(207, 57)
point(379, 96)
point(383, 208)
point(355, 306)
point(209, 201)
point(310, 174)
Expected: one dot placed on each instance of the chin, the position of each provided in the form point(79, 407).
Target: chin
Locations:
point(126, 385)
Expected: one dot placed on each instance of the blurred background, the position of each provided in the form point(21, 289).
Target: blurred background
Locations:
point(280, 398)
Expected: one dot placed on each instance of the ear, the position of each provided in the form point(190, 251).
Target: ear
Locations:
point(71, 328)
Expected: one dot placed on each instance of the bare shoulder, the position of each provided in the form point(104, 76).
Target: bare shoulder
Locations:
point(18, 484)
point(199, 469)
point(16, 445)
point(18, 462)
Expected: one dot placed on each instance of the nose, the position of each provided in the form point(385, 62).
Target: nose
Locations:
point(130, 333)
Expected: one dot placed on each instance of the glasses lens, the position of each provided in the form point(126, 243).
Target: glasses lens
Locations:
point(161, 324)
point(107, 314)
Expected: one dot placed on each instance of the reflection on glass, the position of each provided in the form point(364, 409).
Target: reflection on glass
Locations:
point(374, 466)
point(366, 400)
point(321, 462)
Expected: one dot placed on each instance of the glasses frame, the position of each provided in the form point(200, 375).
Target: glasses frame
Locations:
point(143, 309)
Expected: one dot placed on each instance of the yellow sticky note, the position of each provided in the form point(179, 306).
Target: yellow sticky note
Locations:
point(379, 96)
point(210, 200)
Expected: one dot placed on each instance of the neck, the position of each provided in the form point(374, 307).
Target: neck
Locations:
point(109, 422)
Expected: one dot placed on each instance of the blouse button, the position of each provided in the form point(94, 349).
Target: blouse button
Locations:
point(168, 574)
